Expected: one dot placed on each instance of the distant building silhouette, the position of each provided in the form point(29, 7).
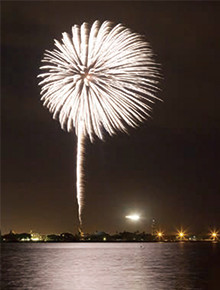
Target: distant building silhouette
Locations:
point(153, 227)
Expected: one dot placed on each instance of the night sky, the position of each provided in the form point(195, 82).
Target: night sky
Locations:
point(167, 169)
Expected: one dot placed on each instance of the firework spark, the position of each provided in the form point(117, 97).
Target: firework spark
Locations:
point(103, 77)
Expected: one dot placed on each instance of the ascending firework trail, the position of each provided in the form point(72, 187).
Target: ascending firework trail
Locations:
point(98, 77)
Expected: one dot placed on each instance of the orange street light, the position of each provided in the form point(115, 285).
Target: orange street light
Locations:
point(214, 235)
point(181, 234)
point(159, 235)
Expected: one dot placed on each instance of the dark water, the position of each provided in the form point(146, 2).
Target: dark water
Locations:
point(100, 266)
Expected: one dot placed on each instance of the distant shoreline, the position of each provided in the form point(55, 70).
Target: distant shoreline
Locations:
point(122, 237)
point(103, 242)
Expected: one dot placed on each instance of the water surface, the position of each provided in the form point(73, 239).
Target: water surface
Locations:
point(107, 266)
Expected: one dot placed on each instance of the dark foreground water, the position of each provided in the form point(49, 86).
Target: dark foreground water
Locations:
point(100, 266)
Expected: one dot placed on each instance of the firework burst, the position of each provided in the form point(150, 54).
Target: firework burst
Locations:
point(103, 77)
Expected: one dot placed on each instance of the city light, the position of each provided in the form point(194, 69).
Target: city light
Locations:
point(214, 235)
point(181, 234)
point(159, 234)
point(25, 240)
point(133, 217)
point(35, 237)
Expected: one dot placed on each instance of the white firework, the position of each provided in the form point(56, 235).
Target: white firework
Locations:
point(103, 77)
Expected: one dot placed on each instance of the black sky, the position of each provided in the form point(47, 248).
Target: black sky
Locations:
point(167, 169)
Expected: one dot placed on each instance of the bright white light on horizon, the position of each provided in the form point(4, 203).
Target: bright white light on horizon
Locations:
point(133, 217)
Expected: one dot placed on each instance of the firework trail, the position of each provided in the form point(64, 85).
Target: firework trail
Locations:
point(103, 77)
point(79, 171)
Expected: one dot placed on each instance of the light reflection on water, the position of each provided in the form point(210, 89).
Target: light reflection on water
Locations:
point(107, 266)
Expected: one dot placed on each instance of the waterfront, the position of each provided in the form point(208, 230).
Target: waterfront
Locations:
point(107, 266)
